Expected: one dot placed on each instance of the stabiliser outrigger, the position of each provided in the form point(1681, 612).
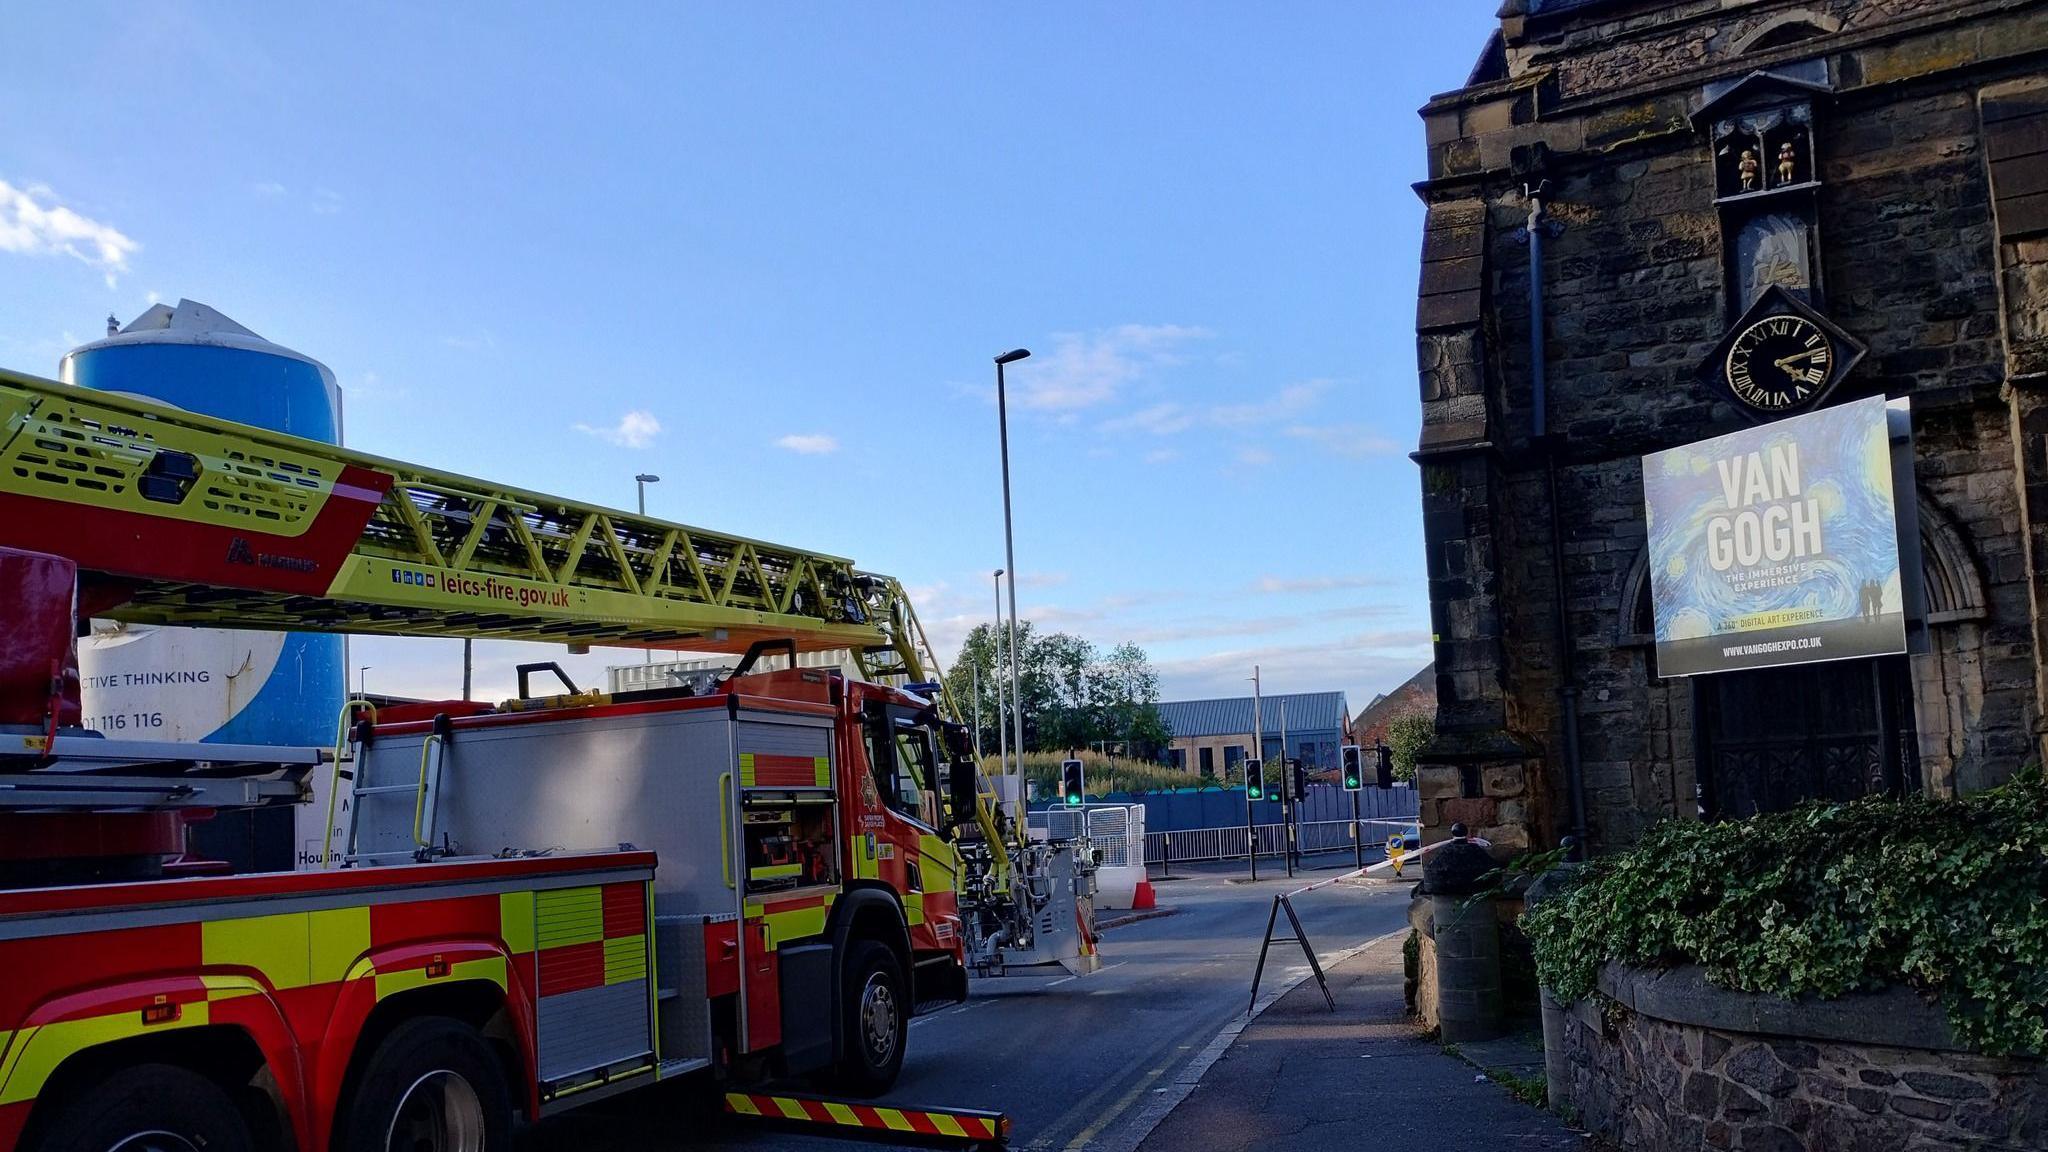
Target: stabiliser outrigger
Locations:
point(538, 903)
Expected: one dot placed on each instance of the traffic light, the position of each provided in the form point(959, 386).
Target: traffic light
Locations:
point(1071, 785)
point(1354, 769)
point(1300, 776)
point(1385, 766)
point(1254, 779)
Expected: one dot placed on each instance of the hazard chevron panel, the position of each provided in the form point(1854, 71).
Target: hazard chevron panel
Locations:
point(971, 1127)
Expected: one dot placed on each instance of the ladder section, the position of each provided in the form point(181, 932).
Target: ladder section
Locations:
point(201, 521)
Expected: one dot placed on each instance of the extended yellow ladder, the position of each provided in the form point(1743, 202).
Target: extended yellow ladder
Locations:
point(178, 518)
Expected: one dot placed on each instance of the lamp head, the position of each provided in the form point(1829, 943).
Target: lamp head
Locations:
point(1012, 356)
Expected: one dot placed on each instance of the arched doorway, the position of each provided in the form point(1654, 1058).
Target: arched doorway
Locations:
point(1767, 739)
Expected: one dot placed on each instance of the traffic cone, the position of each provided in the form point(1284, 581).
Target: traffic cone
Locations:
point(1143, 898)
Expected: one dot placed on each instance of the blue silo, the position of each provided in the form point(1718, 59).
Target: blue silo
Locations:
point(207, 684)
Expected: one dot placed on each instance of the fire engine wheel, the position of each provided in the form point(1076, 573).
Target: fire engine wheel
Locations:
point(433, 1085)
point(875, 1020)
point(148, 1108)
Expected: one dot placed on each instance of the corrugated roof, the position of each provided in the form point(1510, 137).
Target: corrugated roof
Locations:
point(1306, 712)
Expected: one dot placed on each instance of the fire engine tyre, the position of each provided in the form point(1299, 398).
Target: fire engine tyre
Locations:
point(433, 1085)
point(875, 1019)
point(148, 1108)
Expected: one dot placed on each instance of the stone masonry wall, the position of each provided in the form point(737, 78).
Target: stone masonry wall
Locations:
point(1651, 1085)
point(1635, 299)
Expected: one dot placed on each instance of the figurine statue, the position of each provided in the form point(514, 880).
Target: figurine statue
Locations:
point(1747, 169)
point(1787, 163)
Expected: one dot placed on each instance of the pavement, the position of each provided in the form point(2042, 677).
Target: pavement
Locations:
point(1302, 1076)
point(1081, 1064)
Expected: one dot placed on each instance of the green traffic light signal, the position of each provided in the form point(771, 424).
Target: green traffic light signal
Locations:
point(1254, 779)
point(1073, 799)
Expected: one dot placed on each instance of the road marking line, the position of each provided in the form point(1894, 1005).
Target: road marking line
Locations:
point(1191, 1074)
point(1115, 1110)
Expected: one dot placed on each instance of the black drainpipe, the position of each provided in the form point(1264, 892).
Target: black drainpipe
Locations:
point(1567, 676)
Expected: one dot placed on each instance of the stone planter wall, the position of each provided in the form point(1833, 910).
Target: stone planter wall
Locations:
point(1670, 1062)
point(1424, 925)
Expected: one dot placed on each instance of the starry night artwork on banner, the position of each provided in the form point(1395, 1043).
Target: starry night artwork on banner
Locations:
point(1777, 544)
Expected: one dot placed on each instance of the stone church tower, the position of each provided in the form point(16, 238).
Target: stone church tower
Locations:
point(1665, 172)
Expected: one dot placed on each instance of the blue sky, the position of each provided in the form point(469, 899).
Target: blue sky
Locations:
point(768, 251)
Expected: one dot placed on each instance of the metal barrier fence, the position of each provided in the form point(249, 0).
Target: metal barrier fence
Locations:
point(1199, 844)
point(1115, 830)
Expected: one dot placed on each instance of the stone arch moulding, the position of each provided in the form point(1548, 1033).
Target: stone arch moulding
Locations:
point(1820, 24)
point(1954, 582)
point(1634, 627)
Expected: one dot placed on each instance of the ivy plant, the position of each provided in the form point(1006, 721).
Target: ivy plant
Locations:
point(1948, 896)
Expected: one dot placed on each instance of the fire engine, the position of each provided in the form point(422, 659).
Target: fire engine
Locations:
point(532, 904)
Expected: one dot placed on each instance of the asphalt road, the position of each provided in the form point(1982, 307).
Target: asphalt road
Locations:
point(1078, 1063)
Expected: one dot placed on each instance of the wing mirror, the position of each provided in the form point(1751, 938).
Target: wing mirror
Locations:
point(964, 785)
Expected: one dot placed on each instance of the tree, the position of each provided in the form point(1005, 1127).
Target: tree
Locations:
point(1408, 734)
point(1075, 695)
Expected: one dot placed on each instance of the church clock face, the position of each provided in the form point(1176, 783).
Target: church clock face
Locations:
point(1779, 362)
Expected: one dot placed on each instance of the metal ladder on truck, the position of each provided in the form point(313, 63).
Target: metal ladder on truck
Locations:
point(187, 519)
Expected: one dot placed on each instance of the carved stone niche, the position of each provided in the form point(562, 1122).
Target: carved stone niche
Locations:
point(1760, 129)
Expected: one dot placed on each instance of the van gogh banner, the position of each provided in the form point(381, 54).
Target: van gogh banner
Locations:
point(1776, 545)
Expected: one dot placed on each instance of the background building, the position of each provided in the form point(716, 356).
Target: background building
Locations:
point(1416, 694)
point(1882, 164)
point(1212, 737)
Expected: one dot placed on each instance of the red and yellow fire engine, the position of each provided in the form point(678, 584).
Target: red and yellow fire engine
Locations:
point(534, 904)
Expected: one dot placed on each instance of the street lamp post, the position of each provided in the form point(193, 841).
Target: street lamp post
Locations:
point(363, 681)
point(640, 483)
point(996, 668)
point(1010, 562)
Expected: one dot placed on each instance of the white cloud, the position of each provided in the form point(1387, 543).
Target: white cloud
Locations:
point(1041, 579)
point(1168, 419)
point(32, 223)
point(484, 340)
point(371, 386)
point(1278, 585)
point(1355, 440)
point(636, 429)
point(269, 189)
point(1254, 457)
point(1161, 456)
point(326, 202)
point(808, 444)
point(1289, 401)
point(1361, 665)
point(1171, 418)
point(1084, 370)
point(151, 296)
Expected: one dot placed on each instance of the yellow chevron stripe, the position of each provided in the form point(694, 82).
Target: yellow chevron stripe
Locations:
point(895, 1120)
point(741, 1103)
point(791, 1109)
point(843, 1114)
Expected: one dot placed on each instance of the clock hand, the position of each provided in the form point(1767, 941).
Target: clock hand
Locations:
point(1787, 361)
